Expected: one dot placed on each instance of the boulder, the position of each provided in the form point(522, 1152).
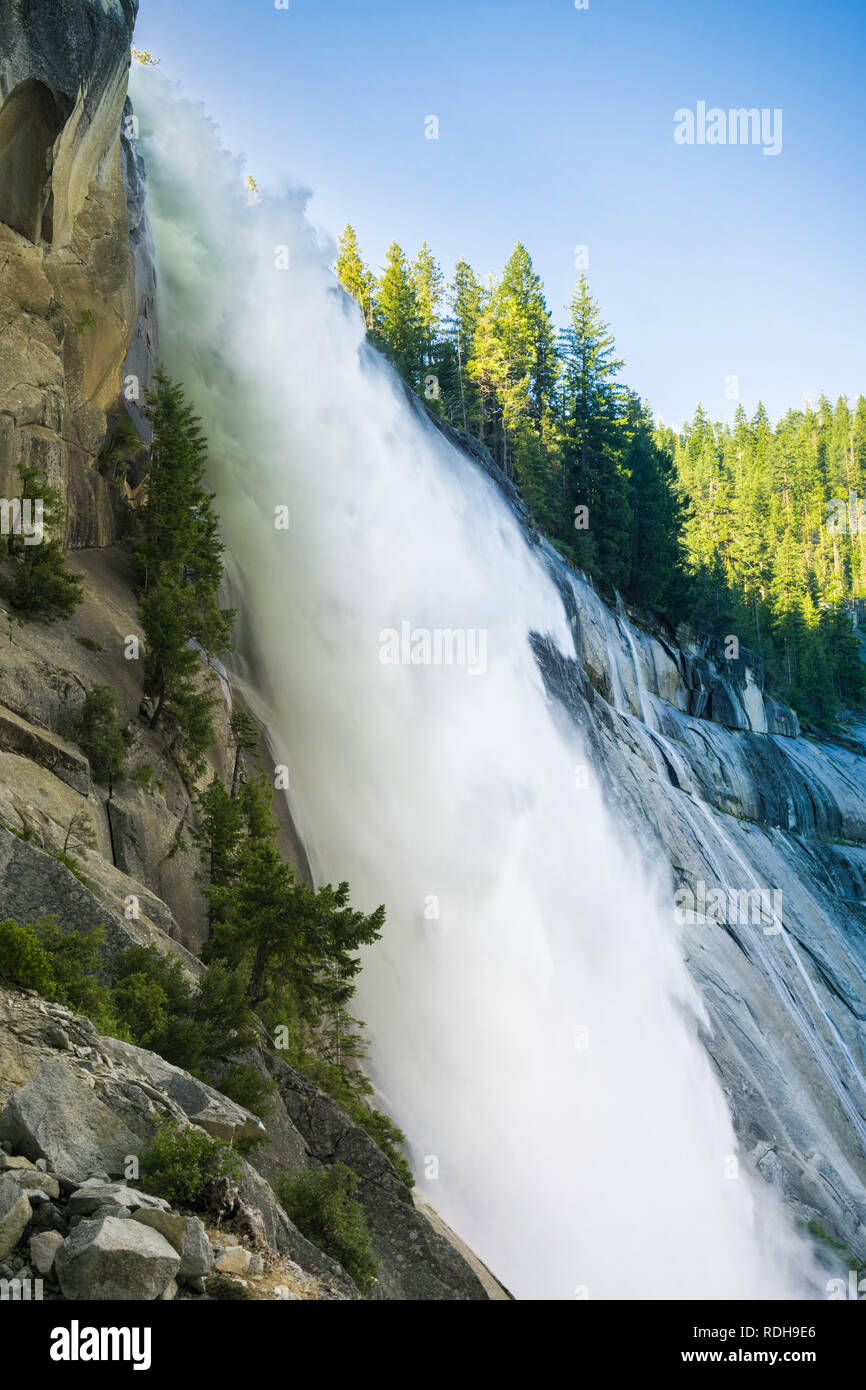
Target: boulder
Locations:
point(188, 1237)
point(31, 1180)
point(115, 1260)
point(204, 1106)
point(43, 1248)
point(15, 1215)
point(93, 1195)
point(14, 1163)
point(234, 1259)
point(57, 1116)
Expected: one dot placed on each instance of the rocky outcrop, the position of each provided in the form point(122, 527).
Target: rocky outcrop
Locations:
point(76, 1108)
point(143, 825)
point(71, 244)
point(416, 1262)
point(63, 84)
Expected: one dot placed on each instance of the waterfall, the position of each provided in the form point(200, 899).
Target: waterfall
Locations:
point(533, 1028)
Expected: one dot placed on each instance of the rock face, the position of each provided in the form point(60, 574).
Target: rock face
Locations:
point(62, 81)
point(58, 1117)
point(416, 1262)
point(69, 300)
point(765, 832)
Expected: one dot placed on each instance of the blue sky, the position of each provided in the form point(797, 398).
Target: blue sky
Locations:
point(556, 128)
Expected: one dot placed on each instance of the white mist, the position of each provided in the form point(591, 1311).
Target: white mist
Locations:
point(536, 1040)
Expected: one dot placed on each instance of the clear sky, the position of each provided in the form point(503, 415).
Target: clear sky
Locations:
point(556, 127)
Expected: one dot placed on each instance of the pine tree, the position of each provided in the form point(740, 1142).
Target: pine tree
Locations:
point(179, 564)
point(590, 368)
point(39, 584)
point(355, 277)
point(465, 299)
point(399, 317)
point(429, 285)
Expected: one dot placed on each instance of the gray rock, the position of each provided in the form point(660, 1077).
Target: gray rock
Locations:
point(93, 1195)
point(15, 1212)
point(13, 1162)
point(49, 750)
point(234, 1259)
point(43, 1248)
point(57, 1116)
point(203, 1105)
point(58, 59)
point(50, 1218)
point(32, 1180)
point(34, 884)
point(115, 1260)
point(415, 1261)
point(188, 1237)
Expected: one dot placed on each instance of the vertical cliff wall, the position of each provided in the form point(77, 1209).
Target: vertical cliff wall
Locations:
point(71, 238)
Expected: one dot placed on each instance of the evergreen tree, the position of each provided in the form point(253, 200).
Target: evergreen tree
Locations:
point(590, 368)
point(429, 286)
point(355, 277)
point(39, 584)
point(399, 317)
point(179, 563)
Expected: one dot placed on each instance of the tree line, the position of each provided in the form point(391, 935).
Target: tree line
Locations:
point(732, 528)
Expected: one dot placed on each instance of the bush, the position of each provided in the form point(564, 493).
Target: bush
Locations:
point(24, 961)
point(181, 1163)
point(72, 865)
point(39, 584)
point(143, 776)
point(76, 959)
point(165, 971)
point(142, 1005)
point(247, 1087)
point(322, 1206)
point(96, 728)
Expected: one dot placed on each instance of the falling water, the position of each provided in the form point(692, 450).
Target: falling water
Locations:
point(533, 1028)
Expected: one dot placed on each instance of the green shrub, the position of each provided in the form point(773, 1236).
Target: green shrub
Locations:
point(38, 583)
point(166, 971)
point(180, 1163)
point(76, 960)
point(24, 961)
point(42, 311)
point(97, 729)
point(90, 643)
point(142, 1005)
point(247, 1087)
point(322, 1206)
point(143, 776)
point(71, 864)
